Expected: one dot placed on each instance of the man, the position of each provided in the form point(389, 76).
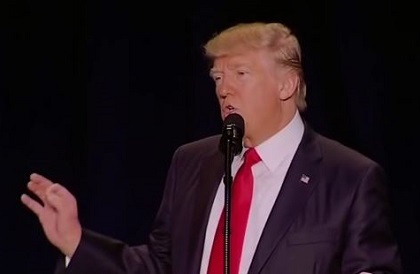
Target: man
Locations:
point(316, 206)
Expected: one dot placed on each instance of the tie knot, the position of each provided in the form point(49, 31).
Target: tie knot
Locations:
point(251, 157)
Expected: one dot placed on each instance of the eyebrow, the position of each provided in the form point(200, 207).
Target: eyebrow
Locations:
point(231, 67)
point(213, 71)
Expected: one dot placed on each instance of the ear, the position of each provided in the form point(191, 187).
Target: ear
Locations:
point(288, 85)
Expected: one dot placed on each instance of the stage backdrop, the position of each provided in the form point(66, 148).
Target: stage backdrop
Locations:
point(97, 95)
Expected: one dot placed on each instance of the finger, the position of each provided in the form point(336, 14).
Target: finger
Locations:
point(58, 190)
point(39, 191)
point(58, 197)
point(40, 181)
point(38, 184)
point(33, 205)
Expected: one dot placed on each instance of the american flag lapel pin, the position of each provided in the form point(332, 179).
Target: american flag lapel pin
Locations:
point(304, 178)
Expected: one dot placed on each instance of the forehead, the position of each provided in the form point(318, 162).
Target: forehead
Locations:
point(234, 60)
point(247, 59)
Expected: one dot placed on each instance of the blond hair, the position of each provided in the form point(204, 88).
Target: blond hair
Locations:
point(274, 37)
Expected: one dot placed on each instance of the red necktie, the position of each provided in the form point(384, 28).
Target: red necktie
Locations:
point(242, 188)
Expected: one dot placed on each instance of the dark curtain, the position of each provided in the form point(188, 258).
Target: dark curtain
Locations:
point(97, 95)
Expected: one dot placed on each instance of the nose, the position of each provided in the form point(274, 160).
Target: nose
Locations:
point(224, 90)
point(225, 87)
point(223, 93)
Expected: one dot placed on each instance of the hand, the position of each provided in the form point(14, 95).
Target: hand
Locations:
point(57, 215)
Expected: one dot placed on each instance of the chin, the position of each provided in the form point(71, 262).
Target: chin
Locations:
point(247, 142)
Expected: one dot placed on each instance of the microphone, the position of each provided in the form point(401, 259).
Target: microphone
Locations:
point(230, 144)
point(232, 134)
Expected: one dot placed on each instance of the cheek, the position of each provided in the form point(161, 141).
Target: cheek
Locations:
point(261, 103)
point(260, 108)
point(254, 113)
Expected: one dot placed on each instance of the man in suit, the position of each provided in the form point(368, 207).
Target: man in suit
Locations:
point(316, 206)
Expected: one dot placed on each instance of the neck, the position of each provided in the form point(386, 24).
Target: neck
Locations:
point(253, 140)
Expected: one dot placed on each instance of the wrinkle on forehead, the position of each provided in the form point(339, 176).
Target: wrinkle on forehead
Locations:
point(246, 60)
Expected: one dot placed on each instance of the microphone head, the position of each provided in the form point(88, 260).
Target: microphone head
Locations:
point(232, 133)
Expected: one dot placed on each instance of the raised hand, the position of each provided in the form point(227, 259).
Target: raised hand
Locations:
point(57, 213)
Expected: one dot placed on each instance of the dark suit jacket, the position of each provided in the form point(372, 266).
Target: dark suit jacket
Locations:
point(337, 222)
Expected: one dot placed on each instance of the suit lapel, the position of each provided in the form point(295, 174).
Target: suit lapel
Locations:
point(291, 200)
point(212, 170)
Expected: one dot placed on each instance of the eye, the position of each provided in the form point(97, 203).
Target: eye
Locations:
point(241, 72)
point(216, 76)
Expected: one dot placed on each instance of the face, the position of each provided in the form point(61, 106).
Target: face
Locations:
point(251, 85)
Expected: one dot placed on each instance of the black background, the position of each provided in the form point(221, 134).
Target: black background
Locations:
point(97, 95)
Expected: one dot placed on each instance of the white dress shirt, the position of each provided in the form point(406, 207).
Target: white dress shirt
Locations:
point(276, 154)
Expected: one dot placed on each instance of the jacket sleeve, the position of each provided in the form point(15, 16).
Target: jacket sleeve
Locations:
point(100, 254)
point(370, 245)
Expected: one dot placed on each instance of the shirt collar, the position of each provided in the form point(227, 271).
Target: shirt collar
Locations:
point(281, 145)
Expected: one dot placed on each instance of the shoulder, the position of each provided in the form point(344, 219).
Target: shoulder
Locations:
point(344, 164)
point(199, 148)
point(341, 157)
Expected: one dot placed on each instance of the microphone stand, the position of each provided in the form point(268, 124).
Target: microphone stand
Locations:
point(230, 144)
point(228, 186)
